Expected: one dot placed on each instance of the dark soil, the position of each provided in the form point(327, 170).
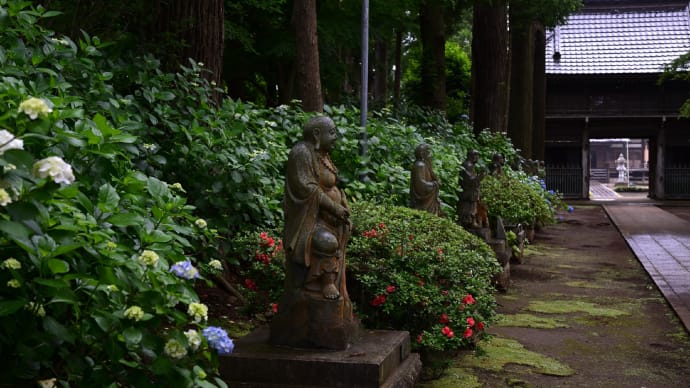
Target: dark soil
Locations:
point(625, 336)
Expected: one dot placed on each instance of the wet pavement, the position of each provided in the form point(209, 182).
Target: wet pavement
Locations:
point(661, 242)
point(601, 192)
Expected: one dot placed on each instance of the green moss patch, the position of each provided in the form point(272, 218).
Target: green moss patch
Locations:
point(585, 284)
point(500, 352)
point(453, 378)
point(530, 320)
point(569, 306)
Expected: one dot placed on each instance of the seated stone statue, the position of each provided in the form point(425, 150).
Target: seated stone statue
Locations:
point(470, 181)
point(315, 309)
point(424, 185)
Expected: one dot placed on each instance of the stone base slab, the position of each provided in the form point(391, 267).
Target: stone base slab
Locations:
point(379, 359)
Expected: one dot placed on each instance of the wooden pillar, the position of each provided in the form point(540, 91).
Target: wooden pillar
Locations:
point(660, 156)
point(585, 160)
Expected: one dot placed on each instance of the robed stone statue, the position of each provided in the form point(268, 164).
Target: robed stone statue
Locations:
point(424, 185)
point(315, 310)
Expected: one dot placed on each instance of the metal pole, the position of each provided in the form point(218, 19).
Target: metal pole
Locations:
point(365, 75)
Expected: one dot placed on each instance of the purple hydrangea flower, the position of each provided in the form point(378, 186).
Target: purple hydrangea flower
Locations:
point(185, 270)
point(218, 339)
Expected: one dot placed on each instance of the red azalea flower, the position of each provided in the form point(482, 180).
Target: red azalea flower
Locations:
point(447, 332)
point(468, 299)
point(263, 235)
point(444, 292)
point(470, 321)
point(270, 242)
point(390, 289)
point(379, 300)
point(468, 333)
point(274, 307)
point(440, 251)
point(480, 325)
point(420, 338)
point(382, 226)
point(250, 284)
point(444, 318)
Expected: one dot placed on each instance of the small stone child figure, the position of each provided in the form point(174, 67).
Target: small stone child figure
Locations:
point(424, 185)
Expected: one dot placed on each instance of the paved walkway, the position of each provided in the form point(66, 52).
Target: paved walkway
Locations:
point(599, 191)
point(661, 242)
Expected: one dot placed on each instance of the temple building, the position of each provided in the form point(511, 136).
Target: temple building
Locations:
point(604, 97)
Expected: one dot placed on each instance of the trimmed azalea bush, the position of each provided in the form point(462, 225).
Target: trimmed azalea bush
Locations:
point(259, 262)
point(98, 259)
point(520, 199)
point(410, 270)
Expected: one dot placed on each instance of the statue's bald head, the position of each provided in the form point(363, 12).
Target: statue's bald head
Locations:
point(320, 123)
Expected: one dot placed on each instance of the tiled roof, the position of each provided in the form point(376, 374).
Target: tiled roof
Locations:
point(619, 41)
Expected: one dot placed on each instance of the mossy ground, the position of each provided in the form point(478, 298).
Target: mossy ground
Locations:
point(580, 312)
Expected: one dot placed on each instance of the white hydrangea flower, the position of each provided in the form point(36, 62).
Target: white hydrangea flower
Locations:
point(34, 107)
point(14, 283)
point(9, 142)
point(201, 223)
point(135, 313)
point(174, 349)
point(198, 311)
point(193, 338)
point(5, 198)
point(55, 168)
point(215, 264)
point(11, 263)
point(148, 257)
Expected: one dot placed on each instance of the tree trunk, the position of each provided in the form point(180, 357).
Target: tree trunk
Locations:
point(381, 72)
point(490, 67)
point(308, 74)
point(398, 68)
point(199, 28)
point(520, 123)
point(539, 115)
point(433, 29)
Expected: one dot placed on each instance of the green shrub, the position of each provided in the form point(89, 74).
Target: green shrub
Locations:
point(410, 270)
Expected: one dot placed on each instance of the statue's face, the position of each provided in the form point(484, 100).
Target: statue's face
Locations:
point(327, 137)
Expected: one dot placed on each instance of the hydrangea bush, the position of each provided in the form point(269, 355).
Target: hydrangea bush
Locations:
point(97, 266)
point(520, 199)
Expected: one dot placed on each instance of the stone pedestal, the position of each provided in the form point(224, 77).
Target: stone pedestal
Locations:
point(378, 359)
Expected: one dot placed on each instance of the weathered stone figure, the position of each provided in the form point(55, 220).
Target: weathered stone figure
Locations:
point(424, 185)
point(470, 181)
point(497, 162)
point(315, 310)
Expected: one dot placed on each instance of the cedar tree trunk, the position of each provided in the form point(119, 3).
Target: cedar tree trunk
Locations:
point(433, 30)
point(490, 67)
point(308, 74)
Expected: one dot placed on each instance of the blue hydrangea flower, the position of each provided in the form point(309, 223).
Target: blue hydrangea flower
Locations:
point(185, 270)
point(571, 209)
point(218, 339)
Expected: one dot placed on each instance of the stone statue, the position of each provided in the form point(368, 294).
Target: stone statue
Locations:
point(470, 181)
point(315, 310)
point(424, 185)
point(497, 162)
